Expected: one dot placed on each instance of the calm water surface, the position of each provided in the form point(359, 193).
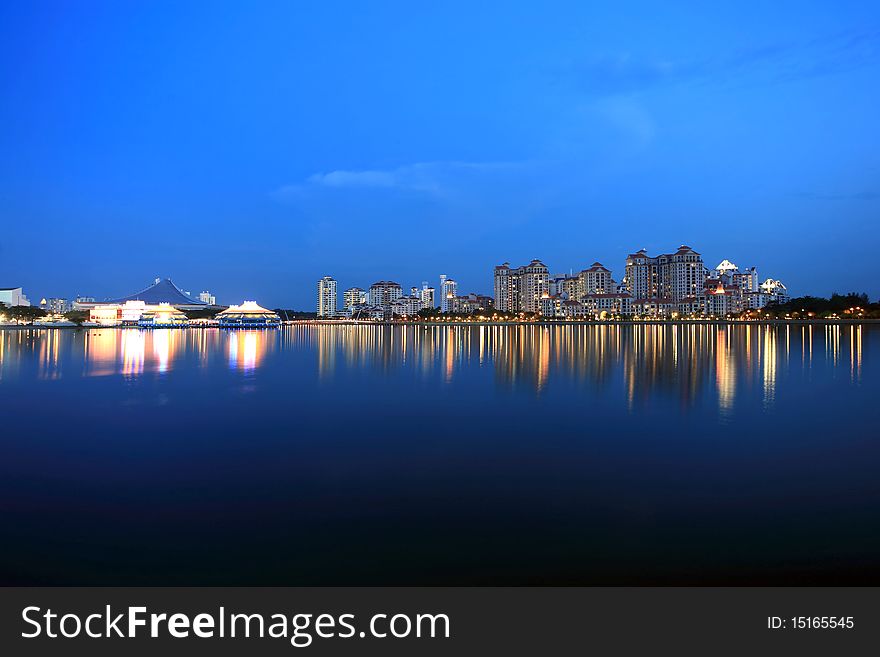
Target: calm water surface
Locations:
point(441, 455)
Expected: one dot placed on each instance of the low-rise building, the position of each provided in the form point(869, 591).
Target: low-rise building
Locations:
point(248, 315)
point(654, 307)
point(13, 296)
point(56, 305)
point(408, 306)
point(471, 303)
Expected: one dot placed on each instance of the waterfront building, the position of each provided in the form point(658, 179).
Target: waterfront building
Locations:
point(448, 289)
point(106, 315)
point(595, 280)
point(382, 293)
point(13, 296)
point(551, 305)
point(563, 285)
point(162, 316)
point(327, 297)
point(354, 296)
point(122, 314)
point(671, 276)
point(471, 303)
point(208, 298)
point(248, 315)
point(655, 307)
point(427, 296)
point(603, 306)
point(161, 291)
point(56, 305)
point(442, 291)
point(559, 307)
point(408, 306)
point(521, 289)
point(725, 267)
point(572, 309)
point(775, 291)
point(720, 297)
point(746, 280)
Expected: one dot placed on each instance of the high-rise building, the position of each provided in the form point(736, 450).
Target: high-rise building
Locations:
point(669, 276)
point(521, 289)
point(382, 293)
point(327, 297)
point(427, 296)
point(595, 280)
point(354, 296)
point(208, 298)
point(447, 294)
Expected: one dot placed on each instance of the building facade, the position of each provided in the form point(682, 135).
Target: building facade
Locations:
point(595, 280)
point(427, 296)
point(448, 290)
point(13, 296)
point(382, 293)
point(327, 297)
point(471, 303)
point(521, 289)
point(354, 296)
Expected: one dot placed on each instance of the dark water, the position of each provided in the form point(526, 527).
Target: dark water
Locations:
point(446, 455)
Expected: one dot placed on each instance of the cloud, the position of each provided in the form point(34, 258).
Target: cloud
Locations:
point(618, 74)
point(436, 179)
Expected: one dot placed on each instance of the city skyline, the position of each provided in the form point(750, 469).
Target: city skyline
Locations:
point(252, 149)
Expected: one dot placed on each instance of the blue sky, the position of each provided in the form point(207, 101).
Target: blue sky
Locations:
point(251, 148)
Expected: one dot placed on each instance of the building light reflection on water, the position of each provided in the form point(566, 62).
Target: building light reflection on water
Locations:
point(133, 346)
point(693, 362)
point(247, 348)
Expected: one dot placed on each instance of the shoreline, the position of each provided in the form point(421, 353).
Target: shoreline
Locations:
point(639, 322)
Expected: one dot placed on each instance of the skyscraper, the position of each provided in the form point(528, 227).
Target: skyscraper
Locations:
point(447, 294)
point(521, 289)
point(327, 297)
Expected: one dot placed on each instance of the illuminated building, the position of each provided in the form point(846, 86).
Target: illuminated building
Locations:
point(406, 306)
point(671, 276)
point(128, 309)
point(248, 315)
point(595, 280)
point(162, 316)
point(427, 296)
point(521, 289)
point(601, 306)
point(448, 290)
point(13, 296)
point(653, 307)
point(471, 303)
point(208, 298)
point(354, 296)
point(382, 293)
point(327, 297)
point(55, 305)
